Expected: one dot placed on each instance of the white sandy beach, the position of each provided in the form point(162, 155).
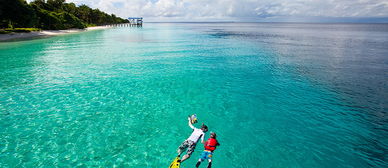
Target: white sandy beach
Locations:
point(12, 36)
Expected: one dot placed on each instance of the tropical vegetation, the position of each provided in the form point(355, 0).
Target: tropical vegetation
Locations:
point(51, 14)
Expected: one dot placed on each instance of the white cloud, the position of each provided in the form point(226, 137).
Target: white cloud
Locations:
point(239, 9)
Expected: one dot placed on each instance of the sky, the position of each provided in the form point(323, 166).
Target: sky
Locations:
point(246, 10)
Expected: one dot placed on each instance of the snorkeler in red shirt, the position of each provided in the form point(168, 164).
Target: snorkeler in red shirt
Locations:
point(210, 146)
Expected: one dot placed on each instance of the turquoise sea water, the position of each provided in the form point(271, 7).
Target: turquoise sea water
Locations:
point(277, 95)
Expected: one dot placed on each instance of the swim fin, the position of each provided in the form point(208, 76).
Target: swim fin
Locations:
point(176, 163)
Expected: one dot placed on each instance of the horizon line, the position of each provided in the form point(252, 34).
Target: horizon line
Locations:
point(299, 22)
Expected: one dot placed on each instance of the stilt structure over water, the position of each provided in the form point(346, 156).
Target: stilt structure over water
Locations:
point(125, 25)
point(135, 20)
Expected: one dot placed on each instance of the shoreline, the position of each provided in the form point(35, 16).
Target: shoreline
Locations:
point(44, 33)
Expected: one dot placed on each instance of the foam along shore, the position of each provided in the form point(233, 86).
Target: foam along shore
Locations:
point(43, 33)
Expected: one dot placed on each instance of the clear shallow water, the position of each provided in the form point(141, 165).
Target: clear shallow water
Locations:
point(278, 95)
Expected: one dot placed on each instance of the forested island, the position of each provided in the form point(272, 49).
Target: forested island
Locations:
point(18, 15)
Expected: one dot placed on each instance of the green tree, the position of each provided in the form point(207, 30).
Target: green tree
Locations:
point(83, 13)
point(52, 14)
point(16, 13)
point(56, 5)
point(71, 8)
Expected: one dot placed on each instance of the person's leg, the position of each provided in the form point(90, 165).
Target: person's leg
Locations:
point(209, 157)
point(182, 147)
point(202, 157)
point(185, 157)
point(210, 164)
point(190, 150)
point(198, 163)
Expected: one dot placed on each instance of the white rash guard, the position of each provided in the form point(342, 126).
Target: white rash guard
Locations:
point(197, 133)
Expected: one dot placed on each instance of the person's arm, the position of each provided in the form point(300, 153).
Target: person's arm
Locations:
point(190, 125)
point(202, 139)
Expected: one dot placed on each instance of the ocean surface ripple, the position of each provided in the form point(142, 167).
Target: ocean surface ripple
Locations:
point(277, 95)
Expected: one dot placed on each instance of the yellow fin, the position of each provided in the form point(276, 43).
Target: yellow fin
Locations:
point(175, 163)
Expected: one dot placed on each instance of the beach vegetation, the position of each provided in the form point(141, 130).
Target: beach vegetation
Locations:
point(18, 30)
point(52, 15)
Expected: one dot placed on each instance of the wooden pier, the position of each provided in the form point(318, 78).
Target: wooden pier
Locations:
point(136, 20)
point(133, 22)
point(125, 25)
